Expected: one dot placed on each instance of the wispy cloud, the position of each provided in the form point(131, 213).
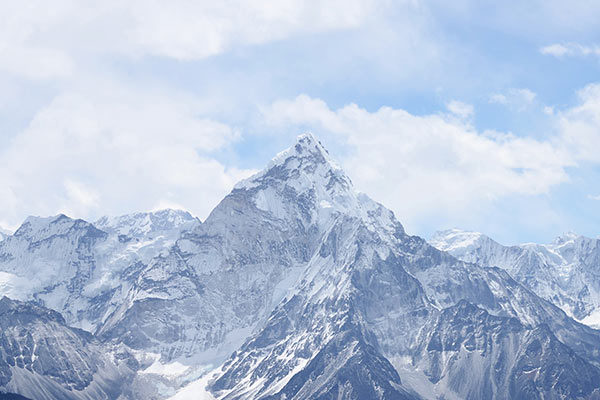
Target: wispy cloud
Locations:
point(570, 49)
point(516, 98)
point(460, 109)
point(592, 197)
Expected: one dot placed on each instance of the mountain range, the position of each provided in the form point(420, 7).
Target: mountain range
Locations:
point(296, 286)
point(565, 272)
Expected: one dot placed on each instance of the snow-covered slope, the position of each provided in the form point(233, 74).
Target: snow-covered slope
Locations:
point(50, 260)
point(84, 272)
point(42, 358)
point(76, 268)
point(148, 226)
point(4, 233)
point(565, 272)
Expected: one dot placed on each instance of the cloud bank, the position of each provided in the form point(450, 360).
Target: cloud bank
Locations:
point(115, 151)
point(419, 164)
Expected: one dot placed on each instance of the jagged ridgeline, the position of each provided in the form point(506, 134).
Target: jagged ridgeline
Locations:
point(296, 286)
point(565, 272)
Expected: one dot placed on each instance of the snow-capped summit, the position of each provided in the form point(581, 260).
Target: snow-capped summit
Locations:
point(305, 183)
point(49, 260)
point(34, 224)
point(364, 293)
point(304, 172)
point(74, 267)
point(306, 158)
point(43, 247)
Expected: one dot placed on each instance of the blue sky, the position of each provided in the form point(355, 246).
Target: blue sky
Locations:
point(466, 114)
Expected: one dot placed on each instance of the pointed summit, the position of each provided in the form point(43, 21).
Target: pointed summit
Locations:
point(307, 145)
point(302, 186)
point(306, 164)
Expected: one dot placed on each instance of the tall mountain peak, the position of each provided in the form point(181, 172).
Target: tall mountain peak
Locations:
point(308, 145)
point(304, 162)
point(303, 183)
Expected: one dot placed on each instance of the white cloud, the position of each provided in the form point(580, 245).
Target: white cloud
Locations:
point(592, 197)
point(420, 165)
point(81, 196)
point(570, 49)
point(580, 125)
point(518, 99)
point(112, 150)
point(167, 204)
point(498, 98)
point(109, 149)
point(93, 144)
point(51, 39)
point(189, 30)
point(556, 50)
point(460, 109)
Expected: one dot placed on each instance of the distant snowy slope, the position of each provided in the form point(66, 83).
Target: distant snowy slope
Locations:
point(565, 272)
point(4, 233)
point(76, 268)
point(144, 225)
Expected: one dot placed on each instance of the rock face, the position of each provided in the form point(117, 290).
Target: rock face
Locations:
point(565, 272)
point(41, 357)
point(295, 287)
point(512, 360)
